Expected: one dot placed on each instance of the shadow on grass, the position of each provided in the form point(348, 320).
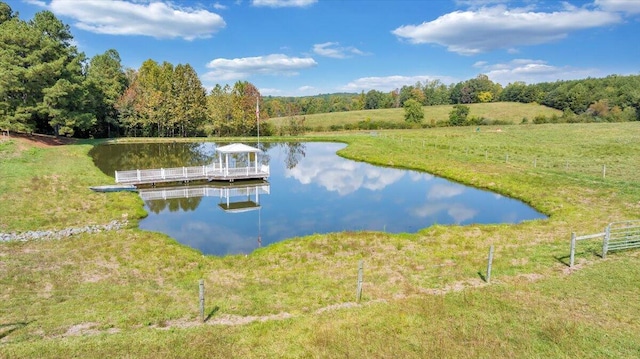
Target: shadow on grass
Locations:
point(566, 259)
point(484, 279)
point(6, 329)
point(211, 313)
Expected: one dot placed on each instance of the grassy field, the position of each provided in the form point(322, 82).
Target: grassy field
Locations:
point(131, 293)
point(505, 111)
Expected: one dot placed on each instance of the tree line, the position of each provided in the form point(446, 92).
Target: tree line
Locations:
point(613, 98)
point(48, 86)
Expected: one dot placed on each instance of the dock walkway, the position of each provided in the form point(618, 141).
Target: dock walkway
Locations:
point(188, 174)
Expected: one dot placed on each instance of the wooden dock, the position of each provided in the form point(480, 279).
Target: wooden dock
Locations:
point(187, 174)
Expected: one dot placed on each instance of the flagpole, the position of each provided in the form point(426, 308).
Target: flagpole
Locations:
point(258, 117)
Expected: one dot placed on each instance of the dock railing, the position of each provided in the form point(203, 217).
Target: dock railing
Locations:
point(210, 172)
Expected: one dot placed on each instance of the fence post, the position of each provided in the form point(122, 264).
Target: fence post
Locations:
point(201, 285)
point(489, 263)
point(359, 285)
point(604, 171)
point(507, 158)
point(534, 162)
point(573, 249)
point(605, 243)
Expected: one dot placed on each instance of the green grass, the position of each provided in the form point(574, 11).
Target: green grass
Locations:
point(505, 111)
point(48, 188)
point(135, 293)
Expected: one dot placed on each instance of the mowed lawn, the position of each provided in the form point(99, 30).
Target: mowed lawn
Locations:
point(132, 293)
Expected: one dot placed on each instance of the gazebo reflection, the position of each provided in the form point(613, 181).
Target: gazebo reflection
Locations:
point(234, 197)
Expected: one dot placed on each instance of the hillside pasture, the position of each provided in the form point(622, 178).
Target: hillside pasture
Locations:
point(511, 112)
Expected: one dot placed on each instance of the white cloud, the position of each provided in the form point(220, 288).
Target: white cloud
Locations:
point(334, 50)
point(284, 3)
point(156, 19)
point(219, 6)
point(343, 177)
point(306, 88)
point(242, 68)
point(442, 191)
point(533, 71)
point(489, 28)
point(626, 6)
point(389, 83)
point(268, 91)
point(458, 212)
point(479, 3)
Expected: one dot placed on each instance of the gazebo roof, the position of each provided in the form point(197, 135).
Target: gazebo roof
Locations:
point(238, 148)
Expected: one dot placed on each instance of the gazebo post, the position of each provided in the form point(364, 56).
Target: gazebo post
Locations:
point(226, 165)
point(256, 158)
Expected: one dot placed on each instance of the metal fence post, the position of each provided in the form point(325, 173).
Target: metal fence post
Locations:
point(359, 285)
point(489, 264)
point(201, 285)
point(573, 249)
point(605, 243)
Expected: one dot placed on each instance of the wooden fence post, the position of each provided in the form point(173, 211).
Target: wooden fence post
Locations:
point(201, 285)
point(359, 285)
point(489, 264)
point(573, 249)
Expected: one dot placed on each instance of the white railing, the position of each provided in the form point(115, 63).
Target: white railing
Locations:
point(203, 191)
point(210, 172)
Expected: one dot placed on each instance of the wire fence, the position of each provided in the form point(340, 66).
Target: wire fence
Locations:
point(605, 168)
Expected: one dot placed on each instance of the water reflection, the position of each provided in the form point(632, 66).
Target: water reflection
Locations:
point(343, 177)
point(312, 190)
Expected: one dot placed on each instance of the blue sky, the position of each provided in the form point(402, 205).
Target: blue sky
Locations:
point(308, 47)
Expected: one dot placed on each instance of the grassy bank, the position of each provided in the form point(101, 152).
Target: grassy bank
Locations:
point(135, 293)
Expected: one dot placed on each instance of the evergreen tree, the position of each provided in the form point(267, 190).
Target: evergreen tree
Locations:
point(106, 82)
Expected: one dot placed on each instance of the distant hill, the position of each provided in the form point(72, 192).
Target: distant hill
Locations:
point(510, 112)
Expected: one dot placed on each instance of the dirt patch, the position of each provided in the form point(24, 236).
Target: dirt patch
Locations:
point(39, 140)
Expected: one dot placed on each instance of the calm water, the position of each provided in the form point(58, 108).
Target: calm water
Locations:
point(311, 190)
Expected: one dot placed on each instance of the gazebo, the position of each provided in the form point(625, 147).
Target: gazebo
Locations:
point(250, 171)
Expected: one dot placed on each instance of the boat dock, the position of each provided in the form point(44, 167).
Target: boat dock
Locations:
point(188, 174)
point(224, 170)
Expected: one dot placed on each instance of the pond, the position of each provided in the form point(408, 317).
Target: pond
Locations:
point(311, 190)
